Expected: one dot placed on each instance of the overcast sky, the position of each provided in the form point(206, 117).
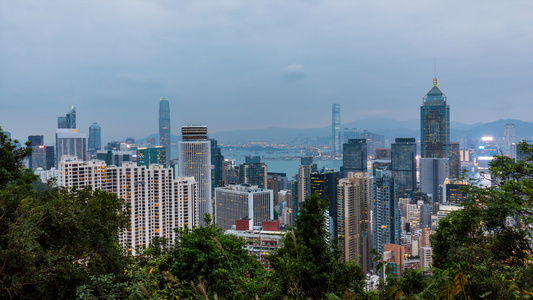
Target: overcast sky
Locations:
point(257, 64)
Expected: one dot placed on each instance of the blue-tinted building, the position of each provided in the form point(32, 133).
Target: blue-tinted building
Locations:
point(403, 159)
point(386, 216)
point(354, 156)
point(164, 126)
point(435, 124)
point(95, 137)
point(151, 155)
point(336, 128)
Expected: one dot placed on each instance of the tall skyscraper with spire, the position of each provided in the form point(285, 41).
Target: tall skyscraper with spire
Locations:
point(164, 127)
point(336, 141)
point(435, 124)
point(68, 121)
point(95, 137)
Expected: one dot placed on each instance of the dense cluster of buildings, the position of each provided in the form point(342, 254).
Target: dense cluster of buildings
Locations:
point(387, 197)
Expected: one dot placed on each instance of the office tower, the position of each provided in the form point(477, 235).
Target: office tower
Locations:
point(509, 137)
point(380, 164)
point(253, 172)
point(435, 124)
point(455, 160)
point(324, 184)
point(235, 202)
point(349, 134)
point(277, 182)
point(386, 222)
point(151, 155)
point(336, 129)
point(452, 193)
point(68, 121)
point(158, 203)
point(354, 157)
point(95, 137)
point(403, 159)
point(164, 127)
point(354, 195)
point(217, 161)
point(294, 199)
point(71, 142)
point(36, 141)
point(195, 161)
point(383, 153)
point(433, 172)
point(373, 140)
point(115, 157)
point(304, 179)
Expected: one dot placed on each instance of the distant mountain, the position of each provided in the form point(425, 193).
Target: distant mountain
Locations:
point(388, 127)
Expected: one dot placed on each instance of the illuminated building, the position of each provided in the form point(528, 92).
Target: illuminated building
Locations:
point(435, 124)
point(324, 184)
point(151, 155)
point(354, 157)
point(403, 159)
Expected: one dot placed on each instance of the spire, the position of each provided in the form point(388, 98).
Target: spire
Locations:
point(435, 81)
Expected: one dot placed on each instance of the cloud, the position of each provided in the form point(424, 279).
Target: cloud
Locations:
point(141, 81)
point(293, 72)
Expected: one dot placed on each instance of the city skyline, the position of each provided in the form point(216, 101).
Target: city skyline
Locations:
point(371, 58)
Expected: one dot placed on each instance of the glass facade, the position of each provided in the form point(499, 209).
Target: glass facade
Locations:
point(403, 159)
point(354, 157)
point(336, 128)
point(164, 126)
point(435, 124)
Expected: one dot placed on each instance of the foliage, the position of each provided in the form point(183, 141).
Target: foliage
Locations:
point(11, 162)
point(306, 267)
point(487, 245)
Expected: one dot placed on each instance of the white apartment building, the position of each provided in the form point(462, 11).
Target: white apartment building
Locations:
point(157, 202)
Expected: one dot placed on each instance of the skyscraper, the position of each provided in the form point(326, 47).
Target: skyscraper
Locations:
point(195, 161)
point(71, 142)
point(455, 160)
point(95, 138)
point(433, 172)
point(324, 184)
point(151, 155)
point(435, 124)
point(68, 121)
point(253, 172)
point(36, 141)
point(354, 157)
point(336, 129)
point(509, 137)
point(403, 158)
point(217, 161)
point(164, 127)
point(386, 228)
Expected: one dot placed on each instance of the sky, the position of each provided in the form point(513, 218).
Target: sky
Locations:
point(258, 64)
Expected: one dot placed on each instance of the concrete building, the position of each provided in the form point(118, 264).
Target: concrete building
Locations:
point(433, 172)
point(71, 142)
point(240, 201)
point(158, 203)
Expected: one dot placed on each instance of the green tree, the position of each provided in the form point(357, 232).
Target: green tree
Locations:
point(306, 266)
point(489, 241)
point(11, 162)
point(52, 241)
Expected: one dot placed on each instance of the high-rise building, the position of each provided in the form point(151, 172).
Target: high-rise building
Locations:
point(217, 161)
point(435, 124)
point(159, 204)
point(164, 127)
point(354, 195)
point(373, 141)
point(116, 157)
point(253, 172)
point(71, 142)
point(509, 137)
point(455, 160)
point(403, 158)
point(95, 138)
point(68, 121)
point(349, 134)
point(36, 142)
point(354, 157)
point(383, 153)
point(235, 202)
point(304, 179)
point(452, 193)
point(151, 155)
point(324, 184)
point(386, 220)
point(195, 161)
point(336, 129)
point(433, 172)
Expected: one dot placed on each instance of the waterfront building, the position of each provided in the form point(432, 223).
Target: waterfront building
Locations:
point(435, 124)
point(195, 161)
point(336, 129)
point(164, 128)
point(354, 158)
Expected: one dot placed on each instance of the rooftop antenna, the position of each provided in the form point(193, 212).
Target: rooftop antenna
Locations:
point(435, 72)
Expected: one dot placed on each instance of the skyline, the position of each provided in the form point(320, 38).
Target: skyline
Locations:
point(292, 61)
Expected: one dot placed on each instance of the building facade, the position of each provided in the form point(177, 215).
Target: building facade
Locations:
point(403, 159)
point(71, 142)
point(386, 215)
point(95, 138)
point(195, 161)
point(435, 124)
point(336, 138)
point(164, 128)
point(151, 155)
point(354, 157)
